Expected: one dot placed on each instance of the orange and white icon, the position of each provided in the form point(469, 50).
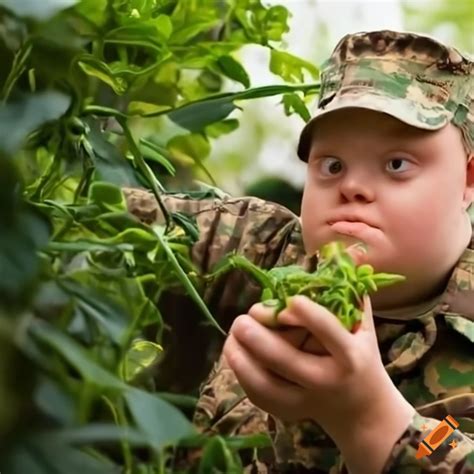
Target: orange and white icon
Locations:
point(437, 436)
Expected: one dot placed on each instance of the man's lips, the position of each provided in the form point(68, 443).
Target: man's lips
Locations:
point(357, 229)
point(352, 219)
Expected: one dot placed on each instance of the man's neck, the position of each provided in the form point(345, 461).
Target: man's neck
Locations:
point(405, 295)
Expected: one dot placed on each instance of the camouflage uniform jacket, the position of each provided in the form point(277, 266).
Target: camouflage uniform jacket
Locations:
point(429, 357)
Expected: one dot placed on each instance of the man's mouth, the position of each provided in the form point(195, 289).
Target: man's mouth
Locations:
point(350, 220)
point(358, 229)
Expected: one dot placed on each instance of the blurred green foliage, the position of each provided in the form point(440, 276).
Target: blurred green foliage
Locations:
point(454, 19)
point(95, 96)
point(276, 189)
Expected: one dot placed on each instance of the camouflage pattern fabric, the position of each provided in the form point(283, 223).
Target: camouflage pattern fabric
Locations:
point(412, 77)
point(272, 239)
point(430, 358)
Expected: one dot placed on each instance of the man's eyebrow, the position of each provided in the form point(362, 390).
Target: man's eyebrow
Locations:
point(323, 150)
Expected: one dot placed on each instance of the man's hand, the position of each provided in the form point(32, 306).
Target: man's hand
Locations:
point(341, 383)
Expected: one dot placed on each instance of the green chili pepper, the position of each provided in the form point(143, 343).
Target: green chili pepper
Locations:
point(337, 283)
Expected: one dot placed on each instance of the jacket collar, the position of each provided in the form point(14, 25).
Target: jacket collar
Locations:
point(458, 298)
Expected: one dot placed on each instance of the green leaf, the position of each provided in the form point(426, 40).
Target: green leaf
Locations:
point(36, 456)
point(96, 433)
point(19, 119)
point(294, 103)
point(152, 151)
point(234, 70)
point(55, 402)
point(139, 356)
point(222, 128)
point(20, 238)
point(119, 75)
point(208, 80)
point(140, 238)
point(136, 107)
point(179, 401)
point(233, 442)
point(77, 356)
point(18, 68)
point(218, 457)
point(164, 25)
point(193, 147)
point(291, 68)
point(160, 421)
point(260, 25)
point(111, 165)
point(96, 68)
point(259, 440)
point(197, 115)
point(35, 9)
point(186, 33)
point(107, 196)
point(188, 224)
point(94, 10)
point(276, 22)
point(142, 34)
point(123, 300)
point(95, 306)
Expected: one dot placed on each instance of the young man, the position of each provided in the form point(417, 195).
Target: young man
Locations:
point(389, 155)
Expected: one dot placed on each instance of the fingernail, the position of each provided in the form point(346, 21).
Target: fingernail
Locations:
point(270, 303)
point(360, 246)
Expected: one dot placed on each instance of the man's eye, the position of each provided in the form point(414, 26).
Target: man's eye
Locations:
point(398, 165)
point(330, 166)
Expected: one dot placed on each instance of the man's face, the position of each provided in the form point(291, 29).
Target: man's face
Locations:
point(406, 189)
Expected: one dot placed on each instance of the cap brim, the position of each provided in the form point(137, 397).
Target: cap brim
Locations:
point(430, 116)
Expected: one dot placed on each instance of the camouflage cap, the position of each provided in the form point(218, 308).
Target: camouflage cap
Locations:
point(411, 77)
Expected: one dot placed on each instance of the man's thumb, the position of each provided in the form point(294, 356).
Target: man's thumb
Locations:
point(358, 252)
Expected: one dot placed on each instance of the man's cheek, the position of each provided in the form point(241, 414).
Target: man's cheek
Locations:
point(313, 236)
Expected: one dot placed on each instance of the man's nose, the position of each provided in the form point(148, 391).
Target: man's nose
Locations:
point(357, 187)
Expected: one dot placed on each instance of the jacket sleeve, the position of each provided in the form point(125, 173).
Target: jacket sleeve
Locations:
point(449, 376)
point(224, 409)
point(266, 233)
point(456, 454)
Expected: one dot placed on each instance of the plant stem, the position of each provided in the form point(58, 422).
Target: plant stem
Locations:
point(142, 165)
point(185, 281)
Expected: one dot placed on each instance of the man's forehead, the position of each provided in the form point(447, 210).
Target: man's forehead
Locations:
point(382, 133)
point(415, 78)
point(346, 121)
